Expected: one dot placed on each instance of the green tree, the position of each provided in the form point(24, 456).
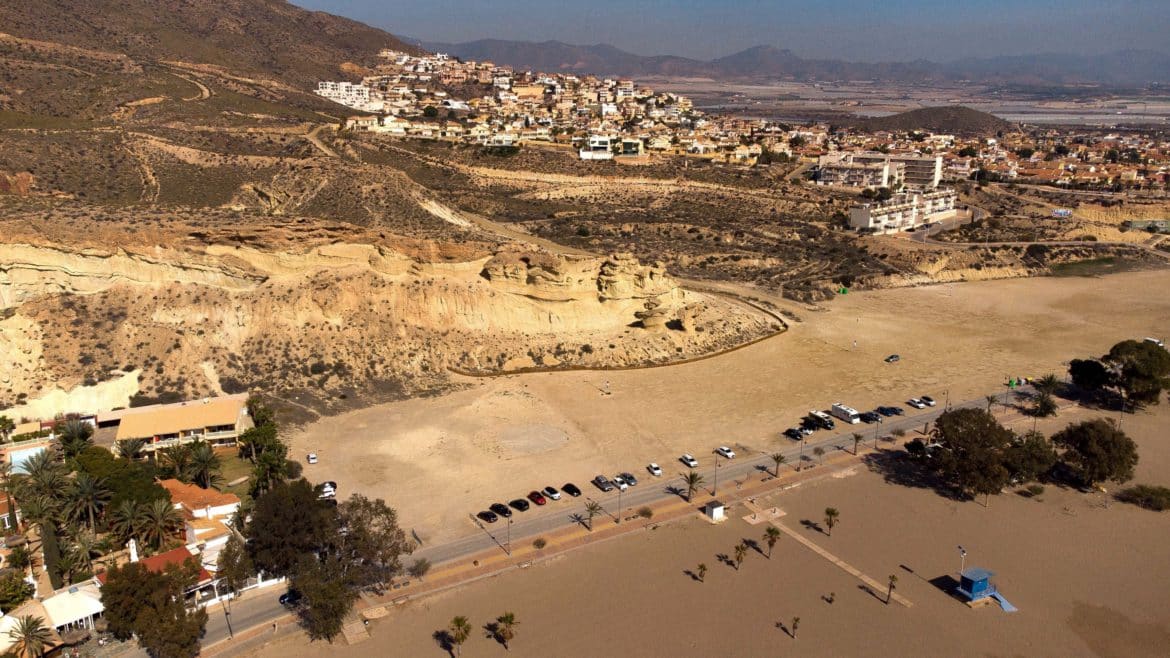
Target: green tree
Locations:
point(777, 460)
point(1143, 370)
point(88, 499)
point(131, 448)
point(126, 479)
point(175, 462)
point(890, 588)
point(991, 400)
point(234, 566)
point(289, 521)
point(740, 552)
point(1030, 457)
point(693, 480)
point(150, 605)
point(14, 590)
point(974, 446)
point(1098, 450)
point(260, 412)
point(328, 598)
point(19, 558)
point(968, 152)
point(30, 637)
point(507, 628)
point(1089, 374)
point(6, 428)
point(86, 547)
point(831, 517)
point(372, 543)
point(1049, 384)
point(701, 570)
point(771, 536)
point(205, 465)
point(1044, 405)
point(820, 453)
point(460, 630)
point(795, 625)
point(158, 522)
point(74, 435)
point(125, 520)
point(592, 509)
point(257, 440)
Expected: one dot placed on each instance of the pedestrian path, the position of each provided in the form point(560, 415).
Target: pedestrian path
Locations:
point(874, 585)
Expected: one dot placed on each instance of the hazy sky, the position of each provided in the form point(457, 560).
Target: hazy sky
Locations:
point(939, 30)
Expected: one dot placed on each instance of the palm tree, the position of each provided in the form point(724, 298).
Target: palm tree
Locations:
point(991, 400)
point(1047, 384)
point(856, 442)
point(592, 509)
point(74, 435)
point(777, 459)
point(771, 536)
point(270, 469)
point(820, 453)
point(86, 546)
point(693, 481)
point(795, 625)
point(43, 476)
point(740, 551)
point(131, 448)
point(702, 571)
point(68, 565)
point(831, 516)
point(30, 637)
point(90, 496)
point(507, 627)
point(8, 486)
point(460, 630)
point(890, 590)
point(204, 465)
point(159, 520)
point(176, 462)
point(6, 428)
point(125, 520)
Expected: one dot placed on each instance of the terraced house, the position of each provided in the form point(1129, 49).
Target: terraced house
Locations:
point(218, 421)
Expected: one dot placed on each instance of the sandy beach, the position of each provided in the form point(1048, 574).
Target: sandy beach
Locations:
point(437, 460)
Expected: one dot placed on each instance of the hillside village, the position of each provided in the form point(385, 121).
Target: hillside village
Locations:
point(442, 98)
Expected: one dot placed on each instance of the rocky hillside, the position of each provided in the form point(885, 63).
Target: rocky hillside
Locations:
point(954, 120)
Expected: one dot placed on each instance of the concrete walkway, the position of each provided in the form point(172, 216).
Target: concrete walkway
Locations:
point(874, 585)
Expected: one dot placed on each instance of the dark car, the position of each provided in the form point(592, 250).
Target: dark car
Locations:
point(890, 411)
point(794, 433)
point(871, 417)
point(571, 489)
point(536, 497)
point(519, 504)
point(893, 358)
point(290, 598)
point(630, 479)
point(501, 509)
point(603, 483)
point(487, 517)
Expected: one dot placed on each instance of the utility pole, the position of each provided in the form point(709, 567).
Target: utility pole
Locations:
point(619, 516)
point(227, 615)
point(715, 486)
point(508, 550)
point(962, 560)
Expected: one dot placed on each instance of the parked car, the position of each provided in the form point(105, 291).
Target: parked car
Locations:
point(312, 458)
point(726, 452)
point(654, 469)
point(551, 492)
point(893, 358)
point(571, 489)
point(929, 401)
point(536, 497)
point(487, 517)
point(916, 403)
point(620, 482)
point(501, 509)
point(630, 479)
point(326, 491)
point(603, 483)
point(871, 417)
point(806, 430)
point(290, 598)
point(690, 461)
point(519, 505)
point(794, 433)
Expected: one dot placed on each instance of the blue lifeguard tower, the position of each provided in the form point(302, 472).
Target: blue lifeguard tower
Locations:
point(976, 586)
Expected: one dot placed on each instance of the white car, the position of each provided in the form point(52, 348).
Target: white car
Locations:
point(916, 403)
point(654, 469)
point(726, 452)
point(927, 400)
point(690, 461)
point(312, 458)
point(620, 482)
point(551, 492)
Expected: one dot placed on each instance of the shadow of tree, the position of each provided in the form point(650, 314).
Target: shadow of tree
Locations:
point(694, 576)
point(812, 525)
point(752, 544)
point(896, 467)
point(445, 641)
point(726, 559)
point(491, 631)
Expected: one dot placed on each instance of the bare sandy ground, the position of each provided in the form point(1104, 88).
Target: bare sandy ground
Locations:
point(438, 459)
point(1089, 580)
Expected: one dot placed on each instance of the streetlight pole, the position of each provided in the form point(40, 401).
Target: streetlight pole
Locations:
point(948, 404)
point(619, 516)
point(715, 486)
point(876, 429)
point(962, 560)
point(227, 615)
point(508, 550)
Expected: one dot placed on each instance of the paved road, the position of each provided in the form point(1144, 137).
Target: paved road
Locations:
point(262, 607)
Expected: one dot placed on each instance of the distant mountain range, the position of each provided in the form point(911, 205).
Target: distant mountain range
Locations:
point(1121, 68)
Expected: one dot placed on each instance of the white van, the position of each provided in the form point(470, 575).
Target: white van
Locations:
point(822, 418)
point(847, 414)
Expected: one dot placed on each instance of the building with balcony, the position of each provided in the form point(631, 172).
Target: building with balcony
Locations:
point(218, 421)
point(903, 211)
point(864, 175)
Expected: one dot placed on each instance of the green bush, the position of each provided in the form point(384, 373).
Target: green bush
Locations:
point(539, 543)
point(1146, 496)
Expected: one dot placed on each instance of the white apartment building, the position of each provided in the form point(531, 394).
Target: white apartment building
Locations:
point(868, 175)
point(921, 172)
point(903, 211)
point(346, 93)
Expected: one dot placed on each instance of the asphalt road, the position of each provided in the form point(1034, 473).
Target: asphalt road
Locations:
point(262, 607)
